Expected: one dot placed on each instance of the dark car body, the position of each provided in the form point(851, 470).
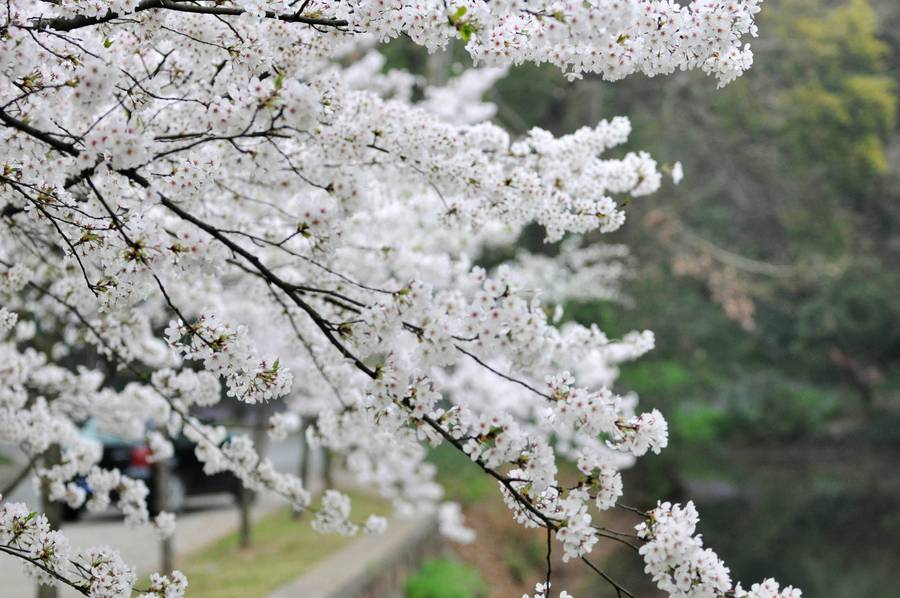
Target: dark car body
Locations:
point(186, 477)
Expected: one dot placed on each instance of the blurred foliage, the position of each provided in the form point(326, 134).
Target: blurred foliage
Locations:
point(791, 194)
point(524, 558)
point(839, 101)
point(791, 169)
point(791, 189)
point(463, 481)
point(446, 578)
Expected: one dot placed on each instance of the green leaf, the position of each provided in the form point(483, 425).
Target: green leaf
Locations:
point(455, 17)
point(466, 30)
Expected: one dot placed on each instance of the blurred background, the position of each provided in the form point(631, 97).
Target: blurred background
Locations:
point(771, 277)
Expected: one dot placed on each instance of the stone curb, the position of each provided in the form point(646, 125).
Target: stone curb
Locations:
point(370, 566)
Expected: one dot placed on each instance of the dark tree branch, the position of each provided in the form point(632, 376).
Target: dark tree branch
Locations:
point(620, 591)
point(56, 144)
point(37, 563)
point(79, 22)
point(549, 569)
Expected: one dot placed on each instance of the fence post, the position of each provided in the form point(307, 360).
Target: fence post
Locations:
point(162, 471)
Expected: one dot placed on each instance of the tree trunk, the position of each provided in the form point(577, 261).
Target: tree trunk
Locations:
point(245, 503)
point(305, 458)
point(437, 67)
point(327, 464)
point(261, 442)
point(52, 510)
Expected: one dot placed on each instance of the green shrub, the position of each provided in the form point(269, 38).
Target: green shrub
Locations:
point(446, 578)
point(697, 422)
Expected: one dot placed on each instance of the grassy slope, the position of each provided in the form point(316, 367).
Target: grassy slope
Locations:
point(282, 549)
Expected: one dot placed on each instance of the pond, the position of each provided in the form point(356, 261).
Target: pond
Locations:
point(822, 518)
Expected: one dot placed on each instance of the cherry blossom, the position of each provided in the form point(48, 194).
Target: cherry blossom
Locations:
point(48, 557)
point(237, 205)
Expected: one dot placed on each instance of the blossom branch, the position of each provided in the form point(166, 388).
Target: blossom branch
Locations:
point(79, 22)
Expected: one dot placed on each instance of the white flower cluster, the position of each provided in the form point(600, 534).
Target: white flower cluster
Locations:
point(375, 525)
point(647, 431)
point(614, 39)
point(602, 478)
point(161, 448)
point(333, 517)
point(238, 455)
point(282, 424)
point(8, 320)
point(98, 571)
point(166, 586)
point(105, 572)
point(452, 525)
point(61, 398)
point(577, 534)
point(611, 37)
point(270, 173)
point(29, 534)
point(542, 590)
point(767, 589)
point(188, 388)
point(165, 524)
point(224, 351)
point(15, 278)
point(675, 557)
point(119, 141)
point(577, 273)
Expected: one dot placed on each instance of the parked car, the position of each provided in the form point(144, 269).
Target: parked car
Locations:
point(186, 477)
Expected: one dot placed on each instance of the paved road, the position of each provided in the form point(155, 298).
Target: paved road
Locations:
point(204, 519)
